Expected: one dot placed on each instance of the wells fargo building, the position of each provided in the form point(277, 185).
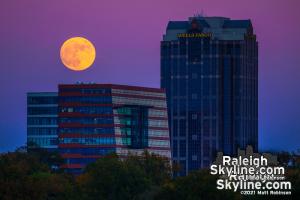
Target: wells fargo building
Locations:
point(209, 68)
point(97, 119)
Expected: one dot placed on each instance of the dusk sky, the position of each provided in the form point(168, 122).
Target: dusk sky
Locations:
point(127, 35)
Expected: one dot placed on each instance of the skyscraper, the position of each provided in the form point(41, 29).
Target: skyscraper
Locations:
point(209, 68)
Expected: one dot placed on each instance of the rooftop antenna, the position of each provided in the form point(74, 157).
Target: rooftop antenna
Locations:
point(200, 14)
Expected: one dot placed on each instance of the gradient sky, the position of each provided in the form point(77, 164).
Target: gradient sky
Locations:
point(127, 37)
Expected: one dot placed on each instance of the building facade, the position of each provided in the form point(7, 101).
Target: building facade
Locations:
point(42, 112)
point(209, 69)
point(94, 120)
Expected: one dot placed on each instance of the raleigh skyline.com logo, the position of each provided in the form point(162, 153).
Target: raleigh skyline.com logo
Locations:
point(251, 174)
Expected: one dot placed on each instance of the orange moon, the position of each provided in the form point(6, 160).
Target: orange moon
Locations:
point(77, 53)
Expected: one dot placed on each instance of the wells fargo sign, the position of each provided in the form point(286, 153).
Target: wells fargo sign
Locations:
point(194, 35)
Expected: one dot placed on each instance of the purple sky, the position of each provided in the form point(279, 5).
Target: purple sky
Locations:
point(127, 36)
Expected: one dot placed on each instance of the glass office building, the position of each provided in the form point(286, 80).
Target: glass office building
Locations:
point(98, 119)
point(42, 110)
point(209, 69)
point(87, 121)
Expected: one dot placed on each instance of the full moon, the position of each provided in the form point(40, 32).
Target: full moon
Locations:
point(77, 53)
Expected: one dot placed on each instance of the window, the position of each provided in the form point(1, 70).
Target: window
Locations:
point(42, 110)
point(175, 148)
point(194, 76)
point(194, 137)
point(194, 116)
point(175, 127)
point(137, 122)
point(194, 96)
point(42, 100)
point(194, 157)
point(182, 127)
point(206, 127)
point(182, 148)
point(206, 148)
point(206, 86)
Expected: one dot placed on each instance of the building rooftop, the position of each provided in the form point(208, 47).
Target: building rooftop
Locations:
point(113, 86)
point(222, 28)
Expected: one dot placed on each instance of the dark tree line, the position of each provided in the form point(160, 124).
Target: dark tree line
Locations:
point(32, 176)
